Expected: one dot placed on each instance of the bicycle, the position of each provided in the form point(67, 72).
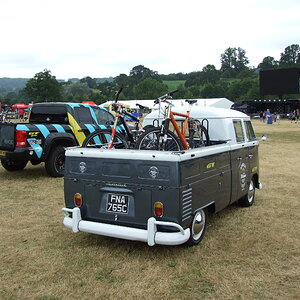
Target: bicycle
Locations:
point(163, 139)
point(110, 138)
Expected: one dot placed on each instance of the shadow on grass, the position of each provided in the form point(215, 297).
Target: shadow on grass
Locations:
point(30, 172)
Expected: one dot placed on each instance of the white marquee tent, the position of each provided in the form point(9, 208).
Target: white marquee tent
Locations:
point(211, 102)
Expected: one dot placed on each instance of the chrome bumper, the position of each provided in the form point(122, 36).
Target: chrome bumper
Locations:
point(149, 235)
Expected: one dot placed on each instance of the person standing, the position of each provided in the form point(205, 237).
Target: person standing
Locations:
point(264, 116)
point(269, 117)
point(297, 115)
point(21, 113)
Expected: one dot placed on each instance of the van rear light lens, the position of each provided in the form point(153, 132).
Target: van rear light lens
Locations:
point(21, 138)
point(158, 209)
point(78, 199)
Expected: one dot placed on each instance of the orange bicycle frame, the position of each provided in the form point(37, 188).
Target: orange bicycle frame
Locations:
point(181, 134)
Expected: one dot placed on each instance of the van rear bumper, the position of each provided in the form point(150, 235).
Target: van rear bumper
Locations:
point(149, 235)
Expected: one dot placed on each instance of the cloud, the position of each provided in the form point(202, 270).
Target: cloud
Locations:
point(105, 38)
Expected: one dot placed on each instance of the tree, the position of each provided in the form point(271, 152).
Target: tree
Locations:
point(268, 63)
point(107, 90)
point(77, 92)
point(193, 78)
point(210, 74)
point(239, 89)
point(290, 57)
point(149, 89)
point(43, 87)
point(89, 81)
point(139, 73)
point(233, 60)
point(210, 90)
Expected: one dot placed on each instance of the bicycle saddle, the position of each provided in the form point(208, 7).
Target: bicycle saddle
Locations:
point(191, 101)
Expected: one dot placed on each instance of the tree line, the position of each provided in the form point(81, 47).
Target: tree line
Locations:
point(235, 80)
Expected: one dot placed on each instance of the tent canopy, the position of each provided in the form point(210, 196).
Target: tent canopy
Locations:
point(19, 106)
point(211, 102)
point(89, 102)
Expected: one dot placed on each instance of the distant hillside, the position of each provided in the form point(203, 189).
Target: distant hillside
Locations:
point(9, 84)
point(173, 84)
point(12, 83)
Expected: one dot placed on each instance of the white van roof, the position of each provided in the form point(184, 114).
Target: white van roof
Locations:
point(203, 112)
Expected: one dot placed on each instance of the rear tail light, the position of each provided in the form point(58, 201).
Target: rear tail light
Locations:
point(21, 138)
point(158, 209)
point(78, 199)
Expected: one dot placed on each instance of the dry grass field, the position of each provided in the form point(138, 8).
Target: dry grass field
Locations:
point(247, 253)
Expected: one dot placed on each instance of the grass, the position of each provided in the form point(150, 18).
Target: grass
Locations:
point(173, 84)
point(247, 253)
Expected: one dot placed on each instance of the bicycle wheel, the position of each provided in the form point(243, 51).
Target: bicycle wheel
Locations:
point(198, 136)
point(101, 139)
point(150, 140)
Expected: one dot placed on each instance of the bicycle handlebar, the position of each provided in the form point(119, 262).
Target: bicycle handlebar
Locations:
point(165, 97)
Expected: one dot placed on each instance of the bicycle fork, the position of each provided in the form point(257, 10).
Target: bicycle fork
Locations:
point(113, 132)
point(162, 140)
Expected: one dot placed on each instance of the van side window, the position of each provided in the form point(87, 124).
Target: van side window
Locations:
point(239, 133)
point(250, 131)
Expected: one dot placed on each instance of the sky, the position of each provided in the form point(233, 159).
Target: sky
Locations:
point(97, 38)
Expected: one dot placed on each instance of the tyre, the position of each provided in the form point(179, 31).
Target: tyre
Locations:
point(12, 165)
point(198, 136)
point(198, 227)
point(249, 198)
point(101, 138)
point(149, 140)
point(55, 164)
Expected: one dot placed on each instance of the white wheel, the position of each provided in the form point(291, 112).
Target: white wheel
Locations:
point(249, 198)
point(198, 227)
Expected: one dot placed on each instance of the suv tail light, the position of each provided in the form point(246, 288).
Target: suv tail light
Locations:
point(21, 138)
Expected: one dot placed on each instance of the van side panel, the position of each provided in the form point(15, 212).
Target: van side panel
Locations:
point(209, 180)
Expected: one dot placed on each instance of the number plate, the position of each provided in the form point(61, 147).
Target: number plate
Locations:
point(2, 153)
point(117, 203)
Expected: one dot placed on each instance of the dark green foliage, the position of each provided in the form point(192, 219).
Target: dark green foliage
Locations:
point(235, 81)
point(234, 60)
point(290, 57)
point(149, 89)
point(268, 63)
point(91, 82)
point(43, 87)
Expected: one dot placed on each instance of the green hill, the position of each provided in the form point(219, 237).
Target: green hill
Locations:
point(173, 84)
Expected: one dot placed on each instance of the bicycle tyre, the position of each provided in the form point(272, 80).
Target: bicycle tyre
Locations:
point(199, 137)
point(149, 140)
point(101, 138)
